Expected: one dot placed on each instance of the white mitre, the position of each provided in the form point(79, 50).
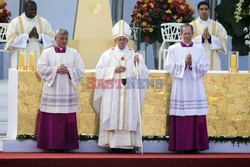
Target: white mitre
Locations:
point(121, 28)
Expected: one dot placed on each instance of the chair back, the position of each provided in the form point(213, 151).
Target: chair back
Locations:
point(171, 32)
point(3, 31)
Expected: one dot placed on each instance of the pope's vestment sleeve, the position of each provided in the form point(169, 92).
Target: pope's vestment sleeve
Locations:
point(173, 65)
point(200, 67)
point(143, 72)
point(103, 70)
point(76, 72)
point(46, 72)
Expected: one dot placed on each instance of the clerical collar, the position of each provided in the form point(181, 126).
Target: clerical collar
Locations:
point(29, 18)
point(186, 45)
point(203, 21)
point(59, 50)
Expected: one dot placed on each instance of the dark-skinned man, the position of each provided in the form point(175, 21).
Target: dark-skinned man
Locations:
point(28, 33)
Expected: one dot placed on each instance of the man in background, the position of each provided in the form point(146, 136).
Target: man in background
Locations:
point(210, 34)
point(28, 33)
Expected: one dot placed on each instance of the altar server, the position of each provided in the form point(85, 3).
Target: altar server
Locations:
point(28, 33)
point(115, 98)
point(187, 63)
point(61, 69)
point(211, 35)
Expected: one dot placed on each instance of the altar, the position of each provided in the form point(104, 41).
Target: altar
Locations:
point(228, 98)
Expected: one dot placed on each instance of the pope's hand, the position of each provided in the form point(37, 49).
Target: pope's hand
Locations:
point(120, 69)
point(136, 59)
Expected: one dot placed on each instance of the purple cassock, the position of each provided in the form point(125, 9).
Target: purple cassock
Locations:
point(57, 131)
point(187, 132)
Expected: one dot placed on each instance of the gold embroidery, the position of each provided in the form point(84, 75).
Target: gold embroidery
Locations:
point(124, 106)
point(121, 27)
point(195, 28)
point(51, 35)
point(119, 100)
point(12, 36)
point(40, 24)
point(21, 24)
point(212, 51)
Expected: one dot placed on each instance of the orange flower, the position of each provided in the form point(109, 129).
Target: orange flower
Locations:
point(150, 29)
point(143, 24)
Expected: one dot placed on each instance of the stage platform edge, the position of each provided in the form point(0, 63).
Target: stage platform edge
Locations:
point(12, 145)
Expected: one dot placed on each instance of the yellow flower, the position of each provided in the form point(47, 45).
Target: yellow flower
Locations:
point(150, 29)
point(169, 1)
point(175, 17)
point(143, 24)
point(182, 7)
point(145, 5)
point(152, 5)
point(168, 11)
point(138, 15)
point(179, 20)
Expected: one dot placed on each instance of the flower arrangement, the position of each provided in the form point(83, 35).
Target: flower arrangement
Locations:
point(4, 13)
point(150, 14)
point(242, 14)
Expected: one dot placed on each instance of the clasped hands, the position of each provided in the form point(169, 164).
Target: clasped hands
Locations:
point(205, 34)
point(62, 69)
point(188, 59)
point(33, 33)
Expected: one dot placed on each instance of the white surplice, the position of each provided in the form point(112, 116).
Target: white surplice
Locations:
point(188, 96)
point(59, 90)
point(18, 37)
point(118, 107)
point(218, 40)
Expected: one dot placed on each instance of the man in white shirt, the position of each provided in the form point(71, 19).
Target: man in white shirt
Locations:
point(61, 69)
point(187, 63)
point(210, 34)
point(28, 33)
